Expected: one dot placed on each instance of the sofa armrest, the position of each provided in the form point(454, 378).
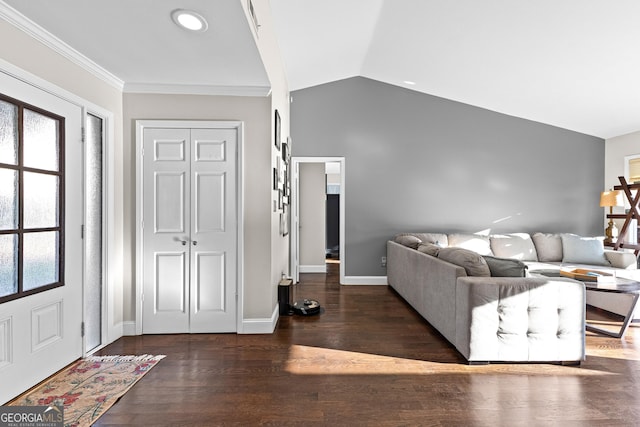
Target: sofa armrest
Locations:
point(621, 259)
point(520, 319)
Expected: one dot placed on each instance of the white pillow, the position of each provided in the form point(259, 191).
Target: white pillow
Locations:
point(583, 250)
point(514, 246)
point(473, 242)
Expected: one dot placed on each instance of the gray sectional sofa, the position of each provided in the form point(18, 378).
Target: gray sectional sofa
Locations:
point(499, 298)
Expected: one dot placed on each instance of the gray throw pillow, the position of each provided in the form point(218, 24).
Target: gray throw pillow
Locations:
point(583, 250)
point(473, 263)
point(505, 267)
point(408, 240)
point(548, 247)
point(429, 249)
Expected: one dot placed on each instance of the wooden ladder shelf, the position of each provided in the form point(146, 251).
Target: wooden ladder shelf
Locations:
point(632, 214)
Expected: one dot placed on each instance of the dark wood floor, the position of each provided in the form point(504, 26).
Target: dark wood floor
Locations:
point(368, 359)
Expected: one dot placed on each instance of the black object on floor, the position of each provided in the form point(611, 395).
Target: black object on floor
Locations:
point(306, 307)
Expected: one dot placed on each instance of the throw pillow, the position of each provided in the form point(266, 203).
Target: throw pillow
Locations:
point(473, 263)
point(408, 240)
point(439, 239)
point(473, 242)
point(548, 247)
point(514, 246)
point(583, 250)
point(429, 249)
point(505, 267)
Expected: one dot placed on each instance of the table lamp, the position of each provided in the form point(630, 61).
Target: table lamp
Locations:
point(610, 199)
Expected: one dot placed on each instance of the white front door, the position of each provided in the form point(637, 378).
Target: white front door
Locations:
point(39, 333)
point(189, 230)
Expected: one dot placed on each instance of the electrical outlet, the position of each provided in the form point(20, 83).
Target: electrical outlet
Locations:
point(383, 261)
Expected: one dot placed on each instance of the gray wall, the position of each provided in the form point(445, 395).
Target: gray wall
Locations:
point(416, 162)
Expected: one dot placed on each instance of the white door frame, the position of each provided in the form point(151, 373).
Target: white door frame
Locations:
point(295, 211)
point(189, 124)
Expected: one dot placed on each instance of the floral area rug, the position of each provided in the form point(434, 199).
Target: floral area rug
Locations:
point(89, 387)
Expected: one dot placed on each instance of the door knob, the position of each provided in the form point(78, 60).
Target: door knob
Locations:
point(184, 242)
point(195, 242)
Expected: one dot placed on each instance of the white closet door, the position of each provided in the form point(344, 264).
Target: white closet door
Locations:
point(213, 230)
point(166, 230)
point(190, 230)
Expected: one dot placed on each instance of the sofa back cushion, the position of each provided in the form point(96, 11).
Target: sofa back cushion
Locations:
point(505, 267)
point(473, 242)
point(583, 250)
point(548, 247)
point(472, 262)
point(514, 246)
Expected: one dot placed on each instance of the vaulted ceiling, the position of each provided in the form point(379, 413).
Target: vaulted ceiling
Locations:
point(571, 63)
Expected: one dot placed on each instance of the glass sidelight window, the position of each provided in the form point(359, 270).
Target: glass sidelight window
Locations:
point(31, 199)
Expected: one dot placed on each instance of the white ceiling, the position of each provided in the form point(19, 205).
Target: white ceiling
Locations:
point(137, 42)
point(569, 63)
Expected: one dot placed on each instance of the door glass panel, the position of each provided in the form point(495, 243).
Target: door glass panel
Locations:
point(8, 264)
point(40, 141)
point(40, 259)
point(40, 200)
point(8, 199)
point(8, 133)
point(93, 234)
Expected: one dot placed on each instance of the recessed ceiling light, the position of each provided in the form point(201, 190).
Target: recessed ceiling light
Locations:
point(189, 20)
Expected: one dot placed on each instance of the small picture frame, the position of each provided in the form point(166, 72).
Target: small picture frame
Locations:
point(277, 131)
point(285, 153)
point(276, 178)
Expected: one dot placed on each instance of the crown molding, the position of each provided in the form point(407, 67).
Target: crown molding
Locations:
point(23, 23)
point(186, 89)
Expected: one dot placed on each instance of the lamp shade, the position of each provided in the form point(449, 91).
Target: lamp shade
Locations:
point(611, 198)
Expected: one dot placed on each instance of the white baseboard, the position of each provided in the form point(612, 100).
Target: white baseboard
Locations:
point(313, 268)
point(129, 328)
point(365, 280)
point(261, 325)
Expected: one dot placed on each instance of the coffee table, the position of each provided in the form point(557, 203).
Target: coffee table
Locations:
point(620, 286)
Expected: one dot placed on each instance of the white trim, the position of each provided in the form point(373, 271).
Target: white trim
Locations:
point(365, 280)
point(128, 328)
point(186, 89)
point(24, 24)
point(261, 325)
point(190, 124)
point(313, 268)
point(295, 161)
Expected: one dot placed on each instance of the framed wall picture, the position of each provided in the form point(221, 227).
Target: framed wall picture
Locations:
point(277, 127)
point(276, 178)
point(285, 153)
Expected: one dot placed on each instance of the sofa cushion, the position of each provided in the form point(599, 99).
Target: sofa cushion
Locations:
point(429, 249)
point(505, 267)
point(408, 240)
point(473, 242)
point(548, 247)
point(514, 246)
point(473, 263)
point(583, 250)
point(439, 239)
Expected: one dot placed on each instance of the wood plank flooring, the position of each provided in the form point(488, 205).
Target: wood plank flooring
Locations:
point(368, 359)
